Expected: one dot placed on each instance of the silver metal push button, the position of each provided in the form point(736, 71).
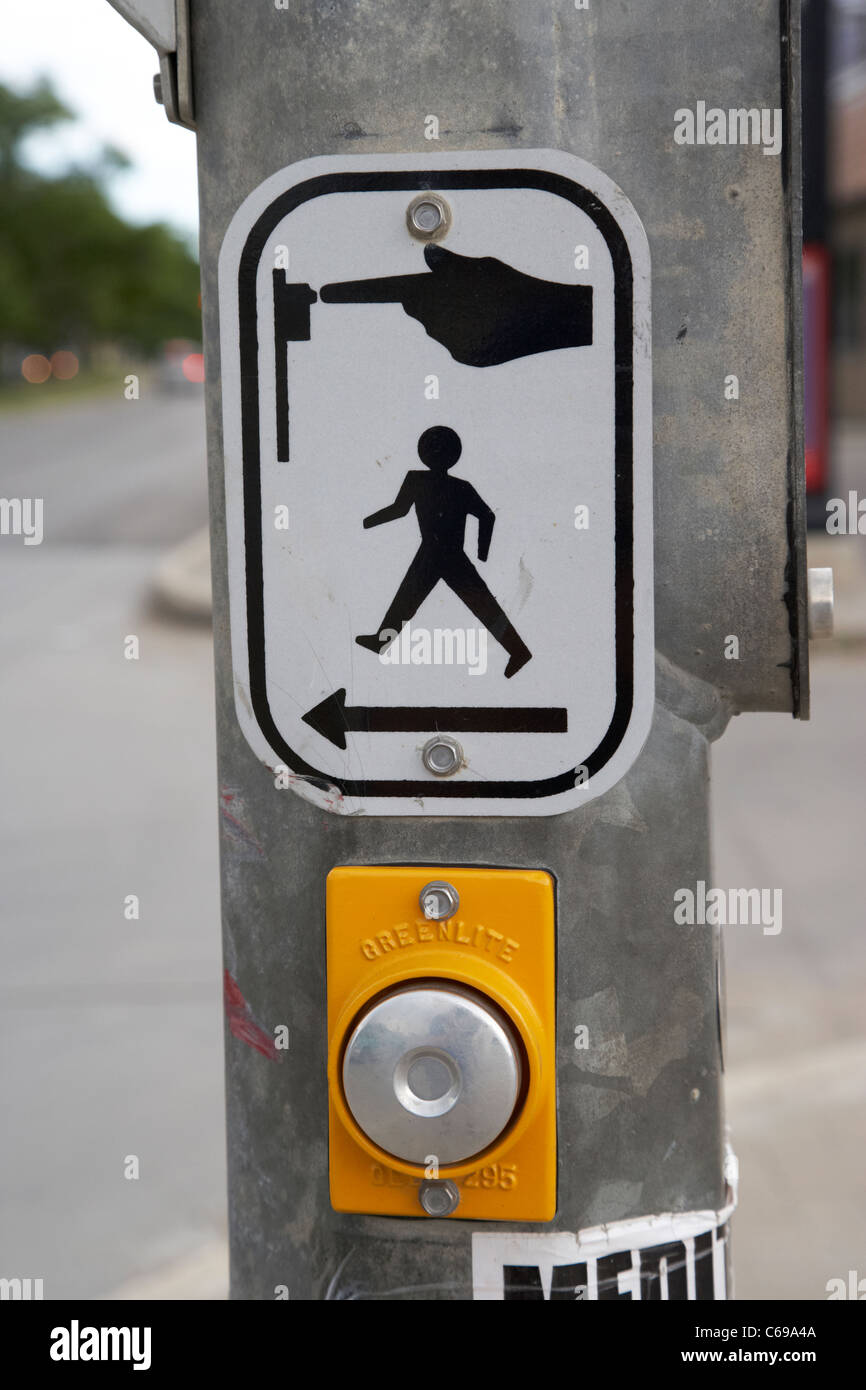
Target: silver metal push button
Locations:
point(432, 1071)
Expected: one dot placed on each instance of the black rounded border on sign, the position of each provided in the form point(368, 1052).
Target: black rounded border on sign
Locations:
point(417, 181)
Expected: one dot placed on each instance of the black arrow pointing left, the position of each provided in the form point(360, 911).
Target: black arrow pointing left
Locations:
point(333, 718)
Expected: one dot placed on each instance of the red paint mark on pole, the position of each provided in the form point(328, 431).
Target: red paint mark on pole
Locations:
point(237, 830)
point(242, 1023)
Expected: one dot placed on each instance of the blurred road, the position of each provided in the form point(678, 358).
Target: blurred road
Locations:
point(112, 1029)
point(789, 807)
point(112, 472)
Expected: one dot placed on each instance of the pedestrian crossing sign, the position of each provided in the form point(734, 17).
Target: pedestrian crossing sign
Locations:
point(437, 438)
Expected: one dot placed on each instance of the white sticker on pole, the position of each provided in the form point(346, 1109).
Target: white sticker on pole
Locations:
point(674, 1257)
point(437, 427)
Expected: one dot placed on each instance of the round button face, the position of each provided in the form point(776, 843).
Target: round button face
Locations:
point(432, 1071)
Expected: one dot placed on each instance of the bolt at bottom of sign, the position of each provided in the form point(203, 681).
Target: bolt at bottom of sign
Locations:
point(442, 755)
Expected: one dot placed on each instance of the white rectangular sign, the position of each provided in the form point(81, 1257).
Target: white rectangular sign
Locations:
point(437, 427)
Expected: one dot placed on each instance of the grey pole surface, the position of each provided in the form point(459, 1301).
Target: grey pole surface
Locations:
point(640, 1112)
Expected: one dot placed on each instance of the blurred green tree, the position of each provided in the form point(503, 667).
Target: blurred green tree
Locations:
point(73, 273)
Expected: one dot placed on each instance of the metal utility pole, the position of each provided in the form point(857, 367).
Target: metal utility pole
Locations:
point(502, 338)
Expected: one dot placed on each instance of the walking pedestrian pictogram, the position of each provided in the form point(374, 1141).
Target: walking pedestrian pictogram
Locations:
point(442, 505)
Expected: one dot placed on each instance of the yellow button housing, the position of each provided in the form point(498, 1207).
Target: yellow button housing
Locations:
point(501, 943)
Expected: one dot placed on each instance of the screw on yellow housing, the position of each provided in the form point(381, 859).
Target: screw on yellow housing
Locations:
point(500, 945)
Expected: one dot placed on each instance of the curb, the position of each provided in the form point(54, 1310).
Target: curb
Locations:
point(181, 583)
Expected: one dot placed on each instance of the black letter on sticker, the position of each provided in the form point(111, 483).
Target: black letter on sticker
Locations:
point(609, 1266)
point(651, 1281)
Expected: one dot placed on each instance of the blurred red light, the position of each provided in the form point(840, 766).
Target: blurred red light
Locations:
point(64, 365)
point(36, 369)
point(193, 367)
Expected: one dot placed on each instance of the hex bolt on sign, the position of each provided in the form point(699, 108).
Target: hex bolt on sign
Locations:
point(428, 216)
point(442, 755)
